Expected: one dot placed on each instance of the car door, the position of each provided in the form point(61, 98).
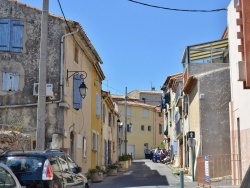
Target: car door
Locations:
point(7, 177)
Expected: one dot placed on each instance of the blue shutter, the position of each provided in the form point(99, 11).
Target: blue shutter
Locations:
point(77, 99)
point(15, 82)
point(16, 36)
point(98, 104)
point(5, 81)
point(4, 34)
point(175, 147)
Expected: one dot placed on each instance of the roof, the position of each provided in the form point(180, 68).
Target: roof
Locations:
point(140, 104)
point(171, 78)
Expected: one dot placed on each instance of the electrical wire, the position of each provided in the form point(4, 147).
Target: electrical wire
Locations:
point(175, 9)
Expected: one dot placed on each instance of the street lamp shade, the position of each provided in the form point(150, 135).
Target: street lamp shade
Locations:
point(118, 122)
point(83, 90)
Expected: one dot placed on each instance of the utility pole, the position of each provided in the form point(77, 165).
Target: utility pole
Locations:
point(125, 106)
point(40, 133)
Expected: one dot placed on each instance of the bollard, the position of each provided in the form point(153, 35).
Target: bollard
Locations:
point(181, 179)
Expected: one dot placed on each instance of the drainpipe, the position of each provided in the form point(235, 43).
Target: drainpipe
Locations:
point(61, 79)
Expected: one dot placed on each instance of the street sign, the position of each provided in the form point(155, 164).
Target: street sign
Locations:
point(191, 134)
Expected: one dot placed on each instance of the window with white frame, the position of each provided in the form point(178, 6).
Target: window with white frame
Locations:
point(10, 81)
point(149, 128)
point(145, 113)
point(95, 141)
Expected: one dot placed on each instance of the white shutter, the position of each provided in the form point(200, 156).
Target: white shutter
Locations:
point(98, 104)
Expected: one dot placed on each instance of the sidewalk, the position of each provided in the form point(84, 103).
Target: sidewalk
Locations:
point(188, 182)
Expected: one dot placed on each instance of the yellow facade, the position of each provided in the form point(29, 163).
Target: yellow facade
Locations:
point(141, 128)
point(79, 125)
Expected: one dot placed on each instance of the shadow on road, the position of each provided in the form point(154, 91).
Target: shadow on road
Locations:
point(137, 175)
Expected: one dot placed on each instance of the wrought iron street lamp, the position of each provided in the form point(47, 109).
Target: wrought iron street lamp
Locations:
point(82, 88)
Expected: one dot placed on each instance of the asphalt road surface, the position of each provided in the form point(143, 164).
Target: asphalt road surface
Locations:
point(143, 174)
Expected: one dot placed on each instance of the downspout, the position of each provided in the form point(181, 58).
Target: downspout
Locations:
point(61, 79)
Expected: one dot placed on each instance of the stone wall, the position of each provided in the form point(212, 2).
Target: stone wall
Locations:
point(13, 140)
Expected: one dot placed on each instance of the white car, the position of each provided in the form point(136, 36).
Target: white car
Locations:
point(8, 178)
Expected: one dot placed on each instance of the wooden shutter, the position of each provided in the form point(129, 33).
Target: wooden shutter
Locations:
point(4, 34)
point(5, 83)
point(16, 36)
point(77, 99)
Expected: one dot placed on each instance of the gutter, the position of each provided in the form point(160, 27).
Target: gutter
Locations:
point(61, 80)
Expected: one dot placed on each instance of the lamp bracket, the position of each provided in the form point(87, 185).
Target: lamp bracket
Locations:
point(84, 75)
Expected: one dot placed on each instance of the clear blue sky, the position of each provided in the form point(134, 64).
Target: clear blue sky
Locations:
point(141, 46)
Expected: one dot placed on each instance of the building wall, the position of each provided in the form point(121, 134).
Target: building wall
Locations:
point(239, 96)
point(199, 68)
point(194, 121)
point(96, 125)
point(26, 64)
point(214, 116)
point(137, 138)
point(159, 119)
point(77, 120)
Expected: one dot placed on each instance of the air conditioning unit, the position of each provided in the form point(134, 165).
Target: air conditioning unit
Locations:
point(49, 89)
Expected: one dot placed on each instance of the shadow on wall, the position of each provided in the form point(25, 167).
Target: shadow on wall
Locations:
point(246, 181)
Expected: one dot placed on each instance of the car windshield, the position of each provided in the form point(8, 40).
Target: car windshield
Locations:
point(23, 164)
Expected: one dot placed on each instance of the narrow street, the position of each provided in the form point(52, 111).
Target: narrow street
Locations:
point(144, 173)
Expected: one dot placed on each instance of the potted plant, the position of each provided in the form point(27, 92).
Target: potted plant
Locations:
point(124, 161)
point(95, 175)
point(112, 170)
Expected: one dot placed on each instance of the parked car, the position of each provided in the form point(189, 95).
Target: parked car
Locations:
point(48, 169)
point(156, 155)
point(8, 178)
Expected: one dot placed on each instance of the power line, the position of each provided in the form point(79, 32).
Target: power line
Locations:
point(175, 9)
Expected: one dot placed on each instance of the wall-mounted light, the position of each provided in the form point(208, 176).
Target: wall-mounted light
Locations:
point(82, 88)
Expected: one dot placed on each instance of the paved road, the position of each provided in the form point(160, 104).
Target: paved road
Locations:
point(146, 174)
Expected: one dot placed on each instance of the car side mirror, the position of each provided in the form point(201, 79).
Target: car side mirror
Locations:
point(79, 169)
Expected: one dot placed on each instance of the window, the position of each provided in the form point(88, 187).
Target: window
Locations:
point(77, 99)
point(98, 104)
point(10, 81)
point(95, 141)
point(84, 147)
point(160, 128)
point(63, 163)
point(110, 119)
point(6, 179)
point(145, 113)
point(11, 35)
point(128, 111)
point(72, 165)
point(142, 127)
point(149, 128)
